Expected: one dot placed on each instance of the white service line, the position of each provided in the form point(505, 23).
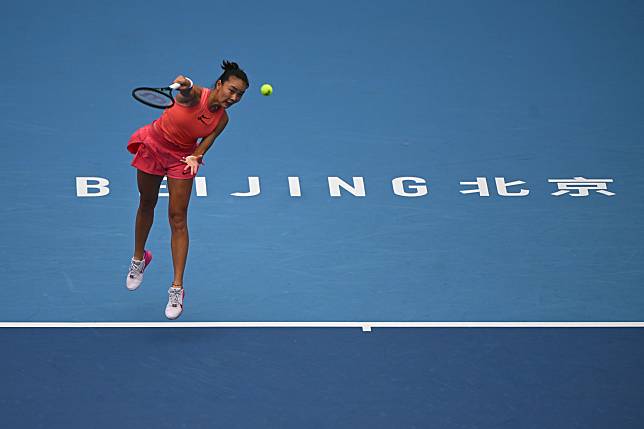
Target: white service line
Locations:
point(366, 326)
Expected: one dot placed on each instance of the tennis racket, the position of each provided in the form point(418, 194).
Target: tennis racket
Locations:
point(161, 98)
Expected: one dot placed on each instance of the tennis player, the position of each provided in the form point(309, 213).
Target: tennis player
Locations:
point(169, 147)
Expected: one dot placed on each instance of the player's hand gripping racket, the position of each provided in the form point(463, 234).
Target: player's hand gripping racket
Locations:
point(161, 98)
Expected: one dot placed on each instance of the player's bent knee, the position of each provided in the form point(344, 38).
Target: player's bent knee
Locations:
point(178, 221)
point(147, 204)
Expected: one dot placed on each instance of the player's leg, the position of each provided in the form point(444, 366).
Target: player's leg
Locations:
point(149, 185)
point(149, 194)
point(180, 190)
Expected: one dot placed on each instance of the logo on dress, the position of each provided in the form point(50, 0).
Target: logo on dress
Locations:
point(203, 118)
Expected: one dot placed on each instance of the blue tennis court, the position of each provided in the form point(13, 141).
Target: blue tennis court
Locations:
point(433, 165)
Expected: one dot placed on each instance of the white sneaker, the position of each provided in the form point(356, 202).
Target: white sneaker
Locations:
point(135, 274)
point(175, 303)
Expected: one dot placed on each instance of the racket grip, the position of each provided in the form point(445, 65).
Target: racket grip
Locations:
point(174, 86)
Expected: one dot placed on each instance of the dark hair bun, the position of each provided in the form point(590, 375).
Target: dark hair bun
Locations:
point(229, 65)
point(232, 69)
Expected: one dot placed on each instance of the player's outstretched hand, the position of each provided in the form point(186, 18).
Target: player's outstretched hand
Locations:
point(192, 162)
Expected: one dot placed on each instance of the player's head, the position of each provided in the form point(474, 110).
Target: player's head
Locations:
point(231, 85)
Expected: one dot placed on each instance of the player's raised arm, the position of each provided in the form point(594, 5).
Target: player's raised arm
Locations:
point(188, 92)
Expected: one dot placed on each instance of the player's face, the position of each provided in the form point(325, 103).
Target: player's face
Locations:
point(231, 91)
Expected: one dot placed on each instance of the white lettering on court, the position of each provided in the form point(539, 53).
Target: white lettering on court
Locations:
point(481, 187)
point(357, 189)
point(83, 187)
point(200, 187)
point(164, 185)
point(253, 188)
point(501, 187)
point(582, 186)
point(419, 186)
point(407, 186)
point(294, 186)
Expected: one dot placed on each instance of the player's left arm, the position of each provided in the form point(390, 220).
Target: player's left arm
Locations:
point(207, 141)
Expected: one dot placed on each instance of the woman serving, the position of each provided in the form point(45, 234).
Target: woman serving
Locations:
point(168, 148)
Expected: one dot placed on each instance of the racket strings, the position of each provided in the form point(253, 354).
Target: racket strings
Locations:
point(153, 97)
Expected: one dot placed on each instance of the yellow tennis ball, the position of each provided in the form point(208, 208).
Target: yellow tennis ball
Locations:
point(266, 89)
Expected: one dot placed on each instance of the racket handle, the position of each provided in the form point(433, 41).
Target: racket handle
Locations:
point(174, 86)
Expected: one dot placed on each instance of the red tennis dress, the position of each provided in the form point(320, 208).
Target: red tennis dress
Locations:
point(159, 146)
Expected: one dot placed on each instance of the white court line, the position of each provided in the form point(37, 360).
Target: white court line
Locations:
point(366, 326)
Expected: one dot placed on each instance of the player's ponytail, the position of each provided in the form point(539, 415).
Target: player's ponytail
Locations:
point(232, 69)
point(229, 65)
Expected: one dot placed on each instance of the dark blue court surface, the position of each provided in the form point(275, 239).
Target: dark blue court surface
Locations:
point(419, 161)
point(323, 378)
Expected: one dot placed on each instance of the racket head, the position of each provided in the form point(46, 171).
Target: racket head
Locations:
point(160, 98)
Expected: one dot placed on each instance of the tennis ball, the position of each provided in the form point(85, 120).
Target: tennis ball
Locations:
point(266, 89)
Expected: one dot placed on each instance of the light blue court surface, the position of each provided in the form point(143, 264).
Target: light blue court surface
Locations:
point(487, 158)
point(446, 92)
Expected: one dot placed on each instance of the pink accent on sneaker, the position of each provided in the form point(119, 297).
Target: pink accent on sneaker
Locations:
point(147, 257)
point(135, 274)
